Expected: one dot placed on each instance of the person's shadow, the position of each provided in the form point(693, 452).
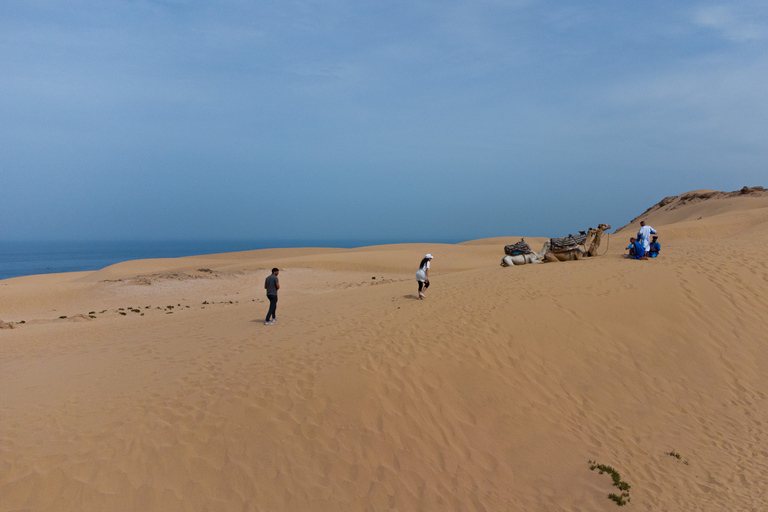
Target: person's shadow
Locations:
point(411, 296)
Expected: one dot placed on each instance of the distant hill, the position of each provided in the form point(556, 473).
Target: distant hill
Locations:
point(698, 205)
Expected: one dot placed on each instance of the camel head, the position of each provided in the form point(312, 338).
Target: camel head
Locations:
point(594, 241)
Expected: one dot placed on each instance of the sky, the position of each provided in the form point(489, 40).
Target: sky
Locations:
point(349, 119)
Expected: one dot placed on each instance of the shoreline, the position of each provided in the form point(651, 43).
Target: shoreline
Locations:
point(27, 258)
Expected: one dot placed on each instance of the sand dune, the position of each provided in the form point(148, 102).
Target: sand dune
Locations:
point(492, 394)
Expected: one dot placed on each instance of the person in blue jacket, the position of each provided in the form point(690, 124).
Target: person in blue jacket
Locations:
point(631, 248)
point(636, 250)
point(655, 247)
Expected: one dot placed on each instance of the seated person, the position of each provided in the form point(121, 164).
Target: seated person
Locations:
point(631, 248)
point(653, 252)
point(636, 249)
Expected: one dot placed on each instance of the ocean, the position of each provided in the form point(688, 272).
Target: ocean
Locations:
point(24, 258)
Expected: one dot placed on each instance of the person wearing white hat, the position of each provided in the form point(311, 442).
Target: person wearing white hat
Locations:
point(422, 276)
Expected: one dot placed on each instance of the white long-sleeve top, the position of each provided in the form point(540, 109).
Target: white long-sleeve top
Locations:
point(644, 236)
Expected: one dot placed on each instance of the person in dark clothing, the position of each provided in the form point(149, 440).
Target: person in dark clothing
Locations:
point(272, 284)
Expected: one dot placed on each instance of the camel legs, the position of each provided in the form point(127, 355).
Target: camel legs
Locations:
point(563, 256)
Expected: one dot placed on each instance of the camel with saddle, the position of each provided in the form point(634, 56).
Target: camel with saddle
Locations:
point(521, 254)
point(571, 247)
point(576, 247)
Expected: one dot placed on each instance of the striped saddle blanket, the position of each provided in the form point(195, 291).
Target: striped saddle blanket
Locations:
point(567, 243)
point(519, 248)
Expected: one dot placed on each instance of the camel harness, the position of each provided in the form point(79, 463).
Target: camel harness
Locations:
point(567, 243)
point(520, 247)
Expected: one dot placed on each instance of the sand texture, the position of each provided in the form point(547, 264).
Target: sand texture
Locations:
point(492, 394)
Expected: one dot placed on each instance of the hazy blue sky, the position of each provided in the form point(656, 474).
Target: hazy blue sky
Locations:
point(432, 120)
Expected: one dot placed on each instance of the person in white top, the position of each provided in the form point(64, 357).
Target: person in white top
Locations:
point(422, 276)
point(644, 235)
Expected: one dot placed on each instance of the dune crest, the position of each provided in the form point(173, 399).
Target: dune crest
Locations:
point(700, 204)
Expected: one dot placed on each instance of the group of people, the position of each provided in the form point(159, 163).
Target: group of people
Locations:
point(640, 248)
point(643, 247)
point(272, 284)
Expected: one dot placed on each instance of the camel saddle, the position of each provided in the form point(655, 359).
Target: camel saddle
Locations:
point(567, 243)
point(519, 248)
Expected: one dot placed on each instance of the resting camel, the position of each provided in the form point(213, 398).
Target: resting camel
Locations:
point(592, 242)
point(522, 259)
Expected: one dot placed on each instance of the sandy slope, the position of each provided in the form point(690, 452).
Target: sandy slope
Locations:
point(492, 394)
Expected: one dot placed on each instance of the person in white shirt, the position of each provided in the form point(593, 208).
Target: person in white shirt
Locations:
point(644, 235)
point(422, 276)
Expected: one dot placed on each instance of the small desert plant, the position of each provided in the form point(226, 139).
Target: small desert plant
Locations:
point(63, 316)
point(91, 316)
point(676, 455)
point(122, 313)
point(91, 312)
point(620, 499)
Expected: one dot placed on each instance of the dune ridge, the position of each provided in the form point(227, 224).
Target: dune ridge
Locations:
point(492, 394)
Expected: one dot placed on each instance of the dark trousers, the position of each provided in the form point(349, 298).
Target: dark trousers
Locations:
point(423, 285)
point(272, 307)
